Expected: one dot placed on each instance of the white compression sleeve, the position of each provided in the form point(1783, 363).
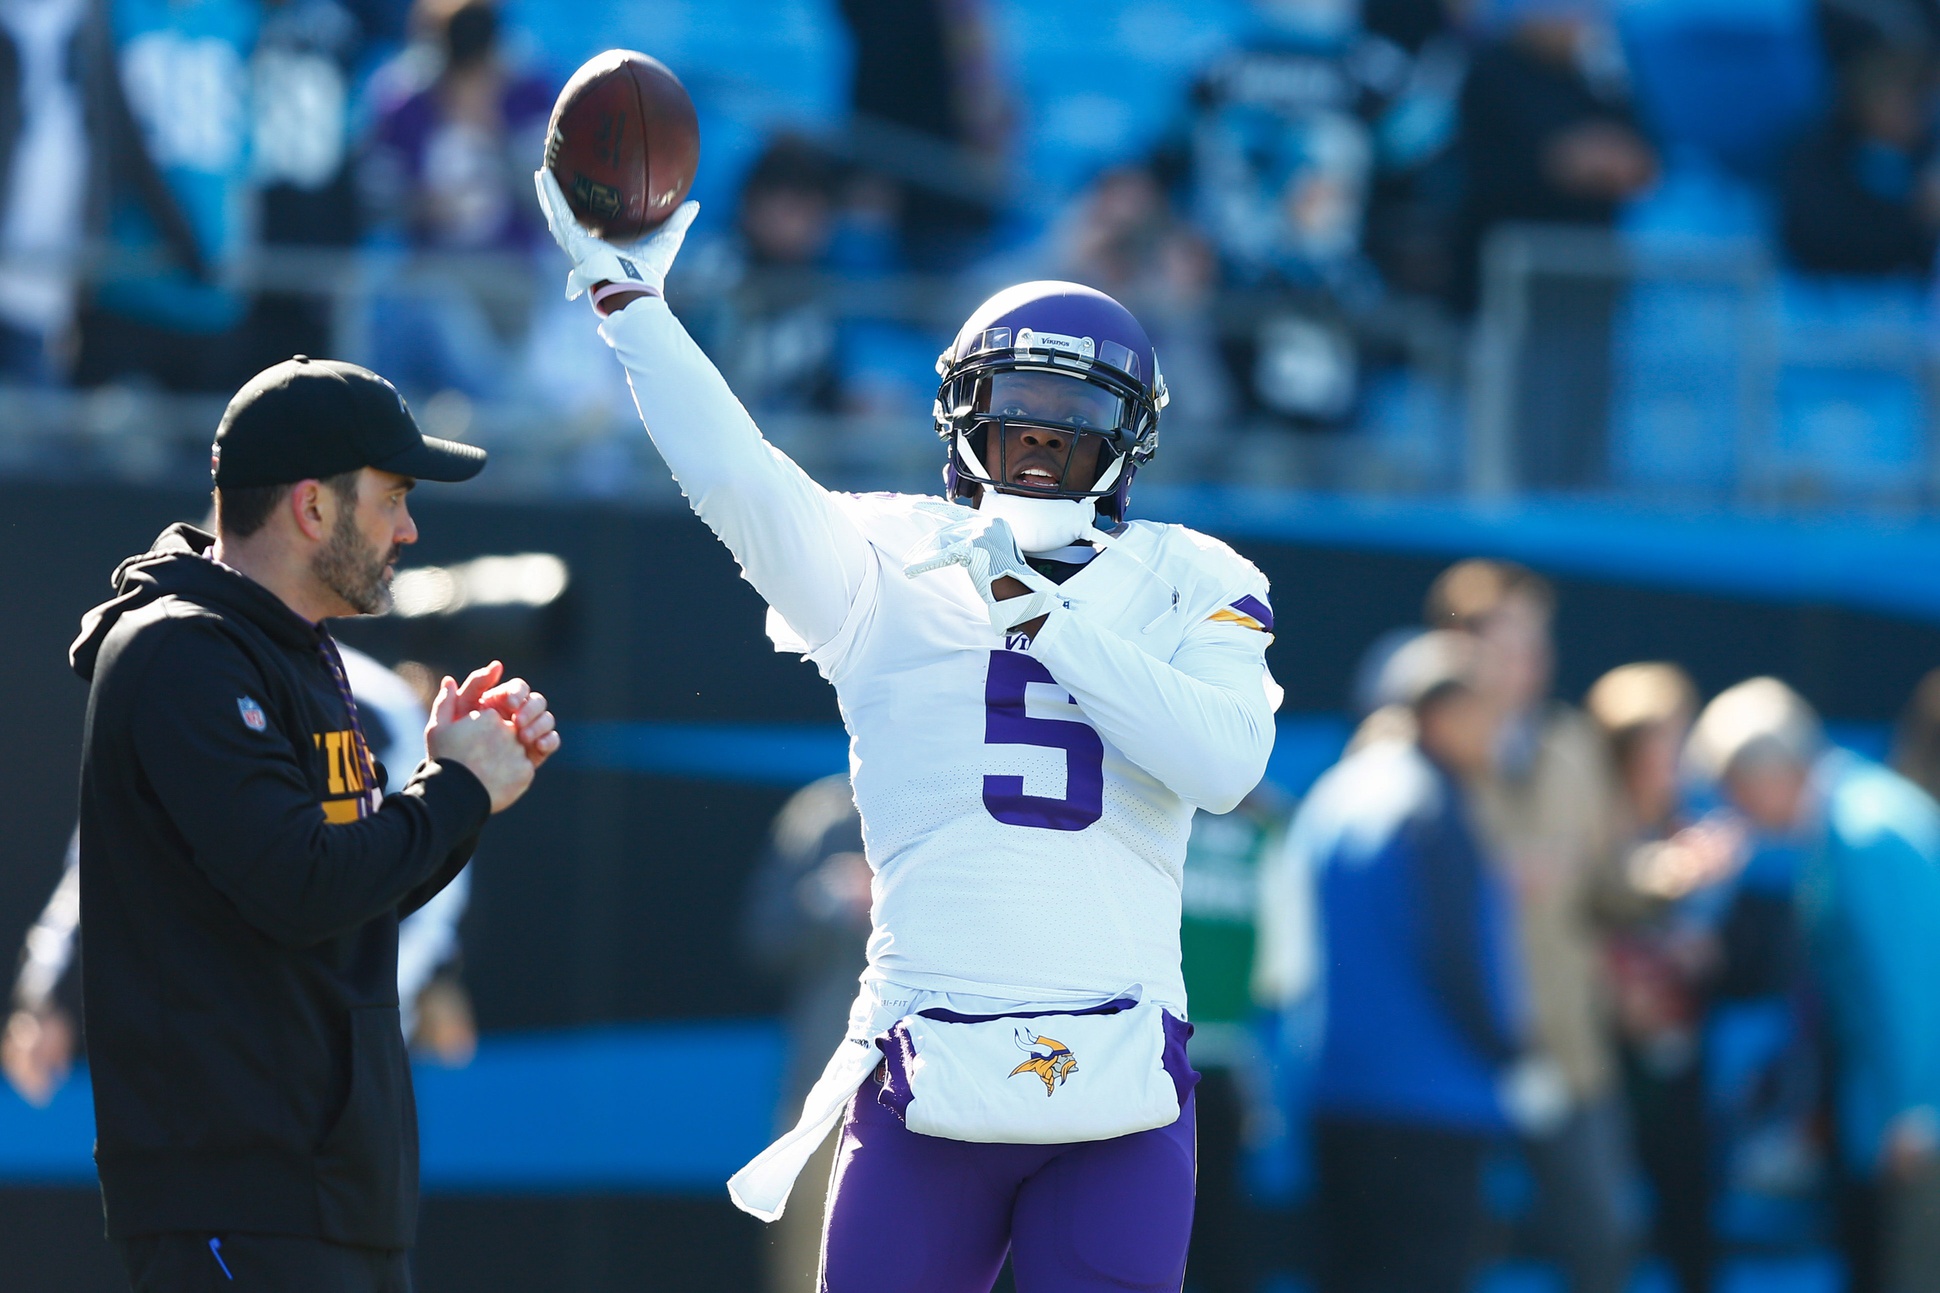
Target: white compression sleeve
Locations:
point(1201, 723)
point(792, 539)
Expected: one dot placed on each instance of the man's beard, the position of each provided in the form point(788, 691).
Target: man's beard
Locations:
point(353, 569)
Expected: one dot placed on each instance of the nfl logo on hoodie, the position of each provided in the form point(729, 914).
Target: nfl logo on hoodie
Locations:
point(252, 714)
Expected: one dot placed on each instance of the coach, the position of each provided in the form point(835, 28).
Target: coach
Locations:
point(242, 874)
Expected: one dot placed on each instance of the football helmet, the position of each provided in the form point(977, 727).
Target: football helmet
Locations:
point(1066, 361)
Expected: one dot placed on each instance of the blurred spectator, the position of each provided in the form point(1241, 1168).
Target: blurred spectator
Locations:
point(1415, 60)
point(161, 312)
point(807, 924)
point(1548, 138)
point(1121, 235)
point(1547, 131)
point(1869, 899)
point(931, 117)
point(43, 1030)
point(1862, 193)
point(1850, 28)
point(1281, 162)
point(1549, 813)
point(306, 59)
point(1422, 985)
point(767, 321)
point(163, 317)
point(42, 1036)
point(434, 1006)
point(52, 72)
point(1218, 941)
point(448, 168)
point(1916, 742)
point(1662, 957)
point(451, 162)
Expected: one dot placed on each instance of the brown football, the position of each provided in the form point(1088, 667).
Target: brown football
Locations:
point(623, 144)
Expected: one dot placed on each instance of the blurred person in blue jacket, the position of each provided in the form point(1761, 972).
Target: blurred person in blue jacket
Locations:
point(1421, 1067)
point(1869, 903)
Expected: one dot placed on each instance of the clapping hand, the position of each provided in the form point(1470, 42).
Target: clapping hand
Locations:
point(500, 732)
point(516, 702)
point(1697, 857)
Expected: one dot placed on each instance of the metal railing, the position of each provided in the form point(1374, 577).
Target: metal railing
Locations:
point(1699, 326)
point(1587, 346)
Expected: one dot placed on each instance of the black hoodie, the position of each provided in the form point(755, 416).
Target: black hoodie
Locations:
point(240, 903)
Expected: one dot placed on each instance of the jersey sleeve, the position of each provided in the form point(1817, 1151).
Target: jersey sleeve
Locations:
point(795, 543)
point(1201, 721)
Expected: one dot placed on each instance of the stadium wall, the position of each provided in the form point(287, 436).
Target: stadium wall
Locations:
point(611, 896)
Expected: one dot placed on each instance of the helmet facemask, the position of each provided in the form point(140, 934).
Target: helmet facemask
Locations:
point(1028, 423)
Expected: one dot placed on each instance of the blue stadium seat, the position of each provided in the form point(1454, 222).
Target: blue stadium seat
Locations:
point(1733, 78)
point(1674, 410)
point(1097, 85)
point(752, 68)
point(1852, 408)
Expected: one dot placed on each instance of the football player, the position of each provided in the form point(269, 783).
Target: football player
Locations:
point(1039, 691)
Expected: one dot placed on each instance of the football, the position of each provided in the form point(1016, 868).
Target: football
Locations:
point(623, 143)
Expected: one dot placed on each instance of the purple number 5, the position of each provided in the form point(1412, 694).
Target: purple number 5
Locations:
point(1006, 723)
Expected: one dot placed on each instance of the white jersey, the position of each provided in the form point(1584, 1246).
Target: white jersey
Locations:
point(1019, 854)
point(1025, 802)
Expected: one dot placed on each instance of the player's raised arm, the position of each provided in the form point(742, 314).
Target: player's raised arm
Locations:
point(793, 542)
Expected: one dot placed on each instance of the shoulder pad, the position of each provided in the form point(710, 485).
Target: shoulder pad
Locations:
point(1216, 580)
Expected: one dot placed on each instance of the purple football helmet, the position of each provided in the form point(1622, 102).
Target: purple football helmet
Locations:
point(1071, 331)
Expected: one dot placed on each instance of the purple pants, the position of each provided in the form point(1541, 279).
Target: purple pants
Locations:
point(909, 1213)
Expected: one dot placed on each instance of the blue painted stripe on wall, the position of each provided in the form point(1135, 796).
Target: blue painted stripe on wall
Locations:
point(666, 1108)
point(782, 754)
point(1864, 562)
point(793, 754)
point(779, 754)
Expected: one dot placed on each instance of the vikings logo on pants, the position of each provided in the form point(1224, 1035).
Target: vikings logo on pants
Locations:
point(1051, 1068)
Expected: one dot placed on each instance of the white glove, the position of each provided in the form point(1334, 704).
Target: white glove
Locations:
point(984, 546)
point(645, 262)
point(1534, 1095)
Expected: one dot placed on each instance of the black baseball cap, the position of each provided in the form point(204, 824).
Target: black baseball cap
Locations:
point(309, 418)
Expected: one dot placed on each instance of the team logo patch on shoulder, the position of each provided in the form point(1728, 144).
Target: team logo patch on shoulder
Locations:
point(252, 714)
point(1248, 613)
point(1051, 1066)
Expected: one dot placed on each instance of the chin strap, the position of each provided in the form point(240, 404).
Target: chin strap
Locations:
point(985, 547)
